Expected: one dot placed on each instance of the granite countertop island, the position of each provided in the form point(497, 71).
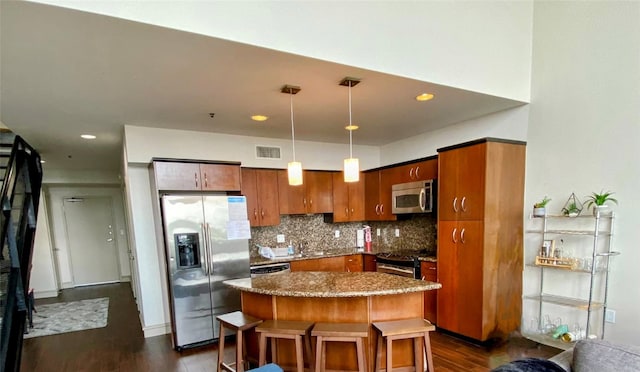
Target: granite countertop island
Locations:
point(331, 284)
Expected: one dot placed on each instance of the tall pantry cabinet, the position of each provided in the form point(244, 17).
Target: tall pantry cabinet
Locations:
point(480, 237)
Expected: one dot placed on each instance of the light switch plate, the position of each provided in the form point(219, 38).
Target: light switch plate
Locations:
point(336, 233)
point(377, 232)
point(397, 233)
point(610, 316)
point(280, 238)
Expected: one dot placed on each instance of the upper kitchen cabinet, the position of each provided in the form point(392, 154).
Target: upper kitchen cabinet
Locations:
point(196, 176)
point(480, 238)
point(461, 183)
point(348, 199)
point(377, 194)
point(415, 171)
point(260, 187)
point(315, 195)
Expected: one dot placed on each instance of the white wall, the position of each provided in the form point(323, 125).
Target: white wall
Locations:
point(584, 129)
point(55, 196)
point(43, 274)
point(144, 143)
point(483, 46)
point(509, 124)
point(79, 177)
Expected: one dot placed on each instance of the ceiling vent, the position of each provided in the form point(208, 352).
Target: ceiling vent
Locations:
point(266, 152)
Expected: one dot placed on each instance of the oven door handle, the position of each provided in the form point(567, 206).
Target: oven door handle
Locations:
point(394, 270)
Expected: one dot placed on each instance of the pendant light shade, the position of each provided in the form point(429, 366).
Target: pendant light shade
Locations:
point(351, 168)
point(294, 168)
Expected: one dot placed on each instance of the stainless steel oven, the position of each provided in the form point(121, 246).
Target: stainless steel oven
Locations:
point(400, 265)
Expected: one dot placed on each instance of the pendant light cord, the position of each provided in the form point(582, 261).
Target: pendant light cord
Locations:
point(293, 135)
point(350, 126)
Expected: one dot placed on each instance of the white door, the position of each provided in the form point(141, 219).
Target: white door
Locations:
point(92, 244)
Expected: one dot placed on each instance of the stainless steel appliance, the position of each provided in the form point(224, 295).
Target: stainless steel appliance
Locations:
point(206, 243)
point(413, 197)
point(270, 269)
point(402, 263)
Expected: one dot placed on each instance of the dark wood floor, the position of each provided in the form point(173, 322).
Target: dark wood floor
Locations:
point(120, 346)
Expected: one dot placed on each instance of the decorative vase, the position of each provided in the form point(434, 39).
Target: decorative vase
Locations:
point(539, 212)
point(602, 210)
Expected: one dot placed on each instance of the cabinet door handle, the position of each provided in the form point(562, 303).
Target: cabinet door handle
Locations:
point(346, 211)
point(462, 236)
point(351, 210)
point(255, 213)
point(411, 173)
point(377, 209)
point(310, 201)
point(381, 209)
point(262, 212)
point(304, 201)
point(462, 204)
point(455, 201)
point(206, 183)
point(417, 172)
point(195, 178)
point(453, 235)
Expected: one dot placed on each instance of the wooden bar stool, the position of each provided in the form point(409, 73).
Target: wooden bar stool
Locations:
point(285, 329)
point(341, 332)
point(238, 322)
point(415, 328)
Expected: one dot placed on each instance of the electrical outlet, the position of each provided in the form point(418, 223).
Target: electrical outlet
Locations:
point(610, 316)
point(280, 238)
point(377, 232)
point(336, 233)
point(397, 232)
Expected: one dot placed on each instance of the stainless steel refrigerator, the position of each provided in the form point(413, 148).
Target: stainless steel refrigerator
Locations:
point(206, 240)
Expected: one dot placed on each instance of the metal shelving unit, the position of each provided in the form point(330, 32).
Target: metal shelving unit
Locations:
point(600, 249)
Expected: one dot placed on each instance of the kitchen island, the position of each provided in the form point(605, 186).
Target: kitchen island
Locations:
point(340, 297)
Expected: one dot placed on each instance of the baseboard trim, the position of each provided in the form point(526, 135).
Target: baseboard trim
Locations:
point(156, 330)
point(45, 294)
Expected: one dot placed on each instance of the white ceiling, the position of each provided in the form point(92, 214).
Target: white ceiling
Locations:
point(65, 73)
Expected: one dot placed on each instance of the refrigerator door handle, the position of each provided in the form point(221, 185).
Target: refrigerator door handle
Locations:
point(208, 249)
point(205, 245)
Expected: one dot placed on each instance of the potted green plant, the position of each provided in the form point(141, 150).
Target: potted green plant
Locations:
point(539, 208)
point(598, 202)
point(571, 210)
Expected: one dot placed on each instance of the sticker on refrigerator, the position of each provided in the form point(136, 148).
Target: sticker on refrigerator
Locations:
point(238, 230)
point(237, 208)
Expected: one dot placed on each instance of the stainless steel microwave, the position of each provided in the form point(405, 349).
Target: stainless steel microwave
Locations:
point(413, 197)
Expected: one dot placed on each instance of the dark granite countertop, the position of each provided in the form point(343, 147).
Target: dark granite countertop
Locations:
point(331, 284)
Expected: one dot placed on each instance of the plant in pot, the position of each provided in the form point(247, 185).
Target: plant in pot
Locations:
point(598, 202)
point(539, 208)
point(571, 210)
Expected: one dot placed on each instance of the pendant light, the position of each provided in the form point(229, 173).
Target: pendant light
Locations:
point(351, 165)
point(294, 168)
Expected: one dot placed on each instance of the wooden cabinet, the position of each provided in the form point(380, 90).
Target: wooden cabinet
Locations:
point(353, 263)
point(348, 199)
point(319, 264)
point(417, 171)
point(429, 271)
point(315, 195)
point(350, 263)
point(260, 187)
point(480, 223)
point(462, 183)
point(377, 191)
point(369, 262)
point(192, 176)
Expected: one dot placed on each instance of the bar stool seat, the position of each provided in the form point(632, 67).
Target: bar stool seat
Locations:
point(341, 332)
point(238, 322)
point(285, 329)
point(415, 328)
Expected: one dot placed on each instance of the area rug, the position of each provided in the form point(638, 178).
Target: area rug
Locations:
point(66, 317)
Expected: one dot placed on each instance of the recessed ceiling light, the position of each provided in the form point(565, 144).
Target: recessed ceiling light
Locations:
point(424, 97)
point(259, 117)
point(88, 136)
point(351, 127)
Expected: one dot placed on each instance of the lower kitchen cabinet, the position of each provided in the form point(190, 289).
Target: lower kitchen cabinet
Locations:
point(319, 264)
point(353, 263)
point(429, 271)
point(369, 262)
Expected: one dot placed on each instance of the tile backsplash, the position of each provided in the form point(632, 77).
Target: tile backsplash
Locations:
point(416, 232)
